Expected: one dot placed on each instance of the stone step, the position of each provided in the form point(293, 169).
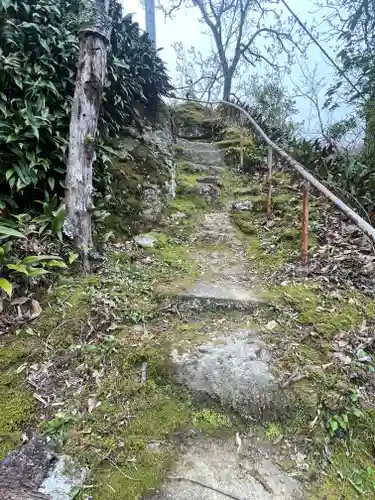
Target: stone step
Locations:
point(210, 159)
point(195, 168)
point(211, 296)
point(212, 235)
point(200, 152)
point(213, 469)
point(197, 145)
point(235, 368)
point(210, 179)
point(210, 192)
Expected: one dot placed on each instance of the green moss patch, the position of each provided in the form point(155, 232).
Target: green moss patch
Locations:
point(17, 406)
point(348, 476)
point(245, 222)
point(210, 421)
point(327, 314)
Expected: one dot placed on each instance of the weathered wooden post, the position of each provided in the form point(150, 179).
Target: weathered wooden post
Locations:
point(305, 224)
point(269, 181)
point(94, 32)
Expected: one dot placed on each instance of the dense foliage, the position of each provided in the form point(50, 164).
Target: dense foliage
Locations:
point(38, 57)
point(351, 23)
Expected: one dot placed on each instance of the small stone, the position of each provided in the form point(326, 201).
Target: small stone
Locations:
point(141, 329)
point(346, 360)
point(271, 325)
point(178, 215)
point(242, 206)
point(145, 240)
point(154, 446)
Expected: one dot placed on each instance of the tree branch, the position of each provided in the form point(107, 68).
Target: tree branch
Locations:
point(279, 35)
point(258, 57)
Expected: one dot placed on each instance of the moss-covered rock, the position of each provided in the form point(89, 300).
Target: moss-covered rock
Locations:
point(194, 121)
point(142, 180)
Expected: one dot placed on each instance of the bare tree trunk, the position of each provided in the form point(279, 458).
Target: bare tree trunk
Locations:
point(227, 88)
point(92, 64)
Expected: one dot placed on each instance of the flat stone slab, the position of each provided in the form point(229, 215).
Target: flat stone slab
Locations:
point(204, 169)
point(202, 295)
point(211, 469)
point(201, 152)
point(236, 370)
point(62, 479)
point(221, 291)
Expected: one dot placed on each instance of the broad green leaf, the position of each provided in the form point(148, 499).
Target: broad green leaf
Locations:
point(6, 3)
point(31, 259)
point(8, 231)
point(51, 182)
point(18, 267)
point(35, 273)
point(9, 173)
point(56, 263)
point(6, 286)
point(334, 425)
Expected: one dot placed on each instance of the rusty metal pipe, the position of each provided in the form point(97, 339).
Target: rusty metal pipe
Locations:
point(269, 181)
point(364, 226)
point(241, 148)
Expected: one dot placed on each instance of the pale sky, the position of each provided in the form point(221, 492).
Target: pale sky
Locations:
point(185, 27)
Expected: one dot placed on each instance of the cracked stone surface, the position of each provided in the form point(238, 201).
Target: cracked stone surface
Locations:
point(236, 370)
point(216, 464)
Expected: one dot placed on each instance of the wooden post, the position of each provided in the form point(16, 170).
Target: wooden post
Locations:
point(269, 182)
point(94, 32)
point(305, 225)
point(241, 148)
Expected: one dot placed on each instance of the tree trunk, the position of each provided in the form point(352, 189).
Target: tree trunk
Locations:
point(92, 63)
point(227, 87)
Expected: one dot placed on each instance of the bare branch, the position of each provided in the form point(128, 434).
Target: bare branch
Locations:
point(259, 57)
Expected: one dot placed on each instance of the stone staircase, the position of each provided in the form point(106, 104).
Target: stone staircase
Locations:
point(224, 283)
point(231, 365)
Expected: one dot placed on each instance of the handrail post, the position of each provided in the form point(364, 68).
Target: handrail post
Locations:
point(305, 224)
point(241, 148)
point(269, 181)
point(363, 225)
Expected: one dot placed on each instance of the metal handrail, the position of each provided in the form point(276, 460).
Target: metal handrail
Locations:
point(364, 226)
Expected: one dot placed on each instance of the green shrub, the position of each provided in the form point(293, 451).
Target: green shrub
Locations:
point(38, 58)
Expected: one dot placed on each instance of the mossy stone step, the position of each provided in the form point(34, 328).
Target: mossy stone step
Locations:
point(196, 168)
point(199, 152)
point(211, 296)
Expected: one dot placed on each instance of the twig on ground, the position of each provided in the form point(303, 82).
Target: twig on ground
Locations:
point(116, 466)
point(193, 481)
point(295, 377)
point(256, 475)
